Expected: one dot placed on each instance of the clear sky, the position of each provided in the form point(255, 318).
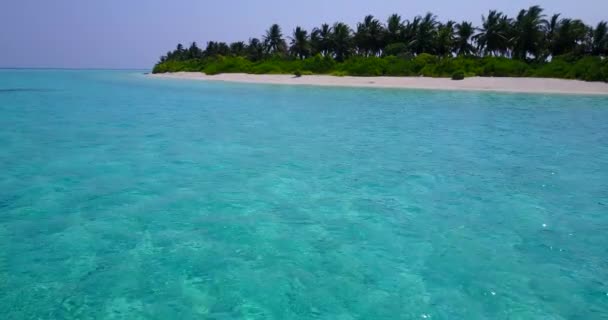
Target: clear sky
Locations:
point(134, 33)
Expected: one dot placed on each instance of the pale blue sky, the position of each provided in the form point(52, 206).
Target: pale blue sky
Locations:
point(134, 33)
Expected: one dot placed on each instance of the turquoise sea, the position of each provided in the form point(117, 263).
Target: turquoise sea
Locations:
point(125, 197)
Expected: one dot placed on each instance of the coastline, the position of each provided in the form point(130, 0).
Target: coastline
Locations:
point(506, 84)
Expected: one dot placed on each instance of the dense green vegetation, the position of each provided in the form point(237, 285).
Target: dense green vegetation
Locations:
point(528, 45)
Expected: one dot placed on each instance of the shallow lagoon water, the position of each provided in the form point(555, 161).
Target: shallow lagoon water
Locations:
point(125, 197)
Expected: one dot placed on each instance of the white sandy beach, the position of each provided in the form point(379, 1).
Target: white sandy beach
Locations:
point(525, 85)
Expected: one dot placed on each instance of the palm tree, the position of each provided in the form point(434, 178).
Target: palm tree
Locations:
point(223, 49)
point(462, 42)
point(194, 52)
point(444, 41)
point(376, 36)
point(321, 39)
point(180, 52)
point(341, 43)
point(360, 39)
point(273, 40)
point(550, 31)
point(425, 31)
point(238, 48)
point(410, 30)
point(300, 44)
point(551, 27)
point(368, 37)
point(394, 29)
point(494, 36)
point(600, 39)
point(570, 37)
point(212, 49)
point(217, 48)
point(528, 34)
point(255, 50)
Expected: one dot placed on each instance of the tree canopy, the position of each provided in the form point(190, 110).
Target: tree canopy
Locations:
point(531, 37)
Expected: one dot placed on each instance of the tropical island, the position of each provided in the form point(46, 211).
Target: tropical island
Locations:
point(531, 44)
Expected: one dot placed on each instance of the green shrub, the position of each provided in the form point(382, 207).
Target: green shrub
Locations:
point(319, 64)
point(422, 61)
point(458, 75)
point(428, 71)
point(267, 68)
point(298, 73)
point(447, 66)
point(176, 66)
point(398, 66)
point(363, 66)
point(557, 68)
point(588, 69)
point(222, 64)
point(569, 67)
point(503, 67)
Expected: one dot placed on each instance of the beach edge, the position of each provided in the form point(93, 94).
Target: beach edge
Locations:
point(491, 84)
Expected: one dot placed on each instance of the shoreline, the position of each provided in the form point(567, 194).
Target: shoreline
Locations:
point(490, 84)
